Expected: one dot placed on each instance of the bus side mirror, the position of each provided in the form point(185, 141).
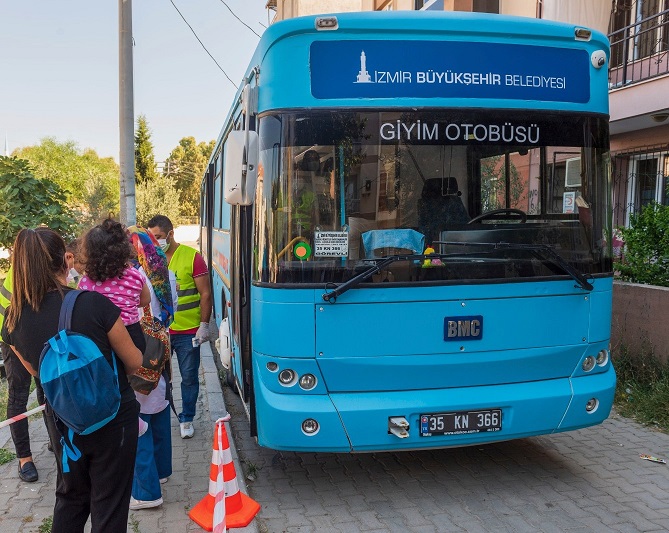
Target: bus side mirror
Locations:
point(240, 167)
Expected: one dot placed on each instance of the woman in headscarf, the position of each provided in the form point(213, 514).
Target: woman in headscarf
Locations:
point(153, 464)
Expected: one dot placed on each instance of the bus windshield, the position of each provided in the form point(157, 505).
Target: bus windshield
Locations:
point(340, 190)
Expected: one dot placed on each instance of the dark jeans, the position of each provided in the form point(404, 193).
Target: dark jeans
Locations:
point(99, 483)
point(189, 366)
point(18, 382)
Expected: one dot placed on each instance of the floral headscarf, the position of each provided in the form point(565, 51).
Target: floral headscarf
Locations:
point(152, 259)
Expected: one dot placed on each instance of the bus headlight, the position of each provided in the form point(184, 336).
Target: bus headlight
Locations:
point(602, 357)
point(588, 363)
point(272, 366)
point(308, 381)
point(310, 427)
point(287, 377)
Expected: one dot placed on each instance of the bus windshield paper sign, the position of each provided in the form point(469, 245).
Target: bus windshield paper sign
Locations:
point(448, 69)
point(331, 244)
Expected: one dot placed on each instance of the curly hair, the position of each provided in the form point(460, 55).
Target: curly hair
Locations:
point(106, 251)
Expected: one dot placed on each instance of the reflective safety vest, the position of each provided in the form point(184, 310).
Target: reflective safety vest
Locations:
point(5, 298)
point(187, 315)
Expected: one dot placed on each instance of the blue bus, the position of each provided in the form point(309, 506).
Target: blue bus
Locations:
point(407, 217)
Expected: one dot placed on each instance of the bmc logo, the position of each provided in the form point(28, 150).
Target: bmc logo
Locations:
point(463, 328)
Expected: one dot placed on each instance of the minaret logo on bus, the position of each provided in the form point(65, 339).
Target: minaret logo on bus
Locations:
point(363, 75)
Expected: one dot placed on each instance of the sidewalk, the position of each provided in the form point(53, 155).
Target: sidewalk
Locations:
point(24, 507)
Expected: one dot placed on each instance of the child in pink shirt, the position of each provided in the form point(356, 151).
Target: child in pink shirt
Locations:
point(106, 251)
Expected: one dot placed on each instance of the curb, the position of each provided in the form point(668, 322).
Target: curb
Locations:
point(217, 409)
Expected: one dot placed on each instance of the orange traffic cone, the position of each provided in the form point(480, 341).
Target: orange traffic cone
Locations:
point(224, 506)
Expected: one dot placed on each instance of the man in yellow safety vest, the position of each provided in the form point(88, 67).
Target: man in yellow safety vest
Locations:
point(191, 318)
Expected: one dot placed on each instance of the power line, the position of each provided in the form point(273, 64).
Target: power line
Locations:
point(240, 20)
point(203, 46)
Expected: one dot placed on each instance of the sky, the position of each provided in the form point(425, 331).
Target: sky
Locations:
point(59, 69)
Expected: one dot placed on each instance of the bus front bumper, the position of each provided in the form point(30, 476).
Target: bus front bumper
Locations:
point(359, 422)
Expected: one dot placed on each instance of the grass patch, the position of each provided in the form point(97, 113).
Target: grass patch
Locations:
point(134, 524)
point(642, 389)
point(46, 526)
point(6, 456)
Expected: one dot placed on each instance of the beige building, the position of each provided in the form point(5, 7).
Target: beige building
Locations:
point(638, 72)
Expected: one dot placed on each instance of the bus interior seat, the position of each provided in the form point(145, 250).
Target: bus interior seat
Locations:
point(440, 204)
point(395, 239)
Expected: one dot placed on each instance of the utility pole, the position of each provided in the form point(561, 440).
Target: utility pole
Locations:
point(126, 114)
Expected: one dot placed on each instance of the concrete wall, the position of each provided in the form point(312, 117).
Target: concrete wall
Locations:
point(640, 319)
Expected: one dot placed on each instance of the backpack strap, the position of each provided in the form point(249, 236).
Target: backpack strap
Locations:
point(65, 317)
point(70, 451)
point(168, 388)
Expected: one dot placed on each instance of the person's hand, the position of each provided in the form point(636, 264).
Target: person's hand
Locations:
point(202, 333)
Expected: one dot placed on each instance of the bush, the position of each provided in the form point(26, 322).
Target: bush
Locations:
point(646, 254)
point(642, 388)
point(159, 196)
point(27, 202)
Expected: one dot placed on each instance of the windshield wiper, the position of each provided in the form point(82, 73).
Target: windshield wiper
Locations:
point(378, 265)
point(544, 251)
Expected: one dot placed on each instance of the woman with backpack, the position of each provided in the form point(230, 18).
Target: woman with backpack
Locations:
point(99, 483)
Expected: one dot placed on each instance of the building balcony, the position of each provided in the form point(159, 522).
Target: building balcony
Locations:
point(639, 50)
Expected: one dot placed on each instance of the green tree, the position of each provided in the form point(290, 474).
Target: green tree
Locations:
point(90, 183)
point(186, 165)
point(27, 202)
point(157, 197)
point(493, 184)
point(145, 161)
point(646, 255)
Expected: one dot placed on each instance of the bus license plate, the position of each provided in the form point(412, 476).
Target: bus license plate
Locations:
point(460, 422)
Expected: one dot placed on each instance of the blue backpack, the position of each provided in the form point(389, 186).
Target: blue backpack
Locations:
point(79, 383)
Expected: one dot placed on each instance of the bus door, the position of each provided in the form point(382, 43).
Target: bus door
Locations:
point(240, 310)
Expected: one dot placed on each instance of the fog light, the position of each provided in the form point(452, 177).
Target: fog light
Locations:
point(310, 426)
point(308, 381)
point(287, 377)
point(592, 405)
point(602, 357)
point(272, 367)
point(588, 363)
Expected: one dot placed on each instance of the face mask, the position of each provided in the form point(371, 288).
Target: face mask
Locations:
point(163, 244)
point(73, 276)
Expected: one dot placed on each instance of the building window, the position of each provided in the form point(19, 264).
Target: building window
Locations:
point(640, 176)
point(486, 6)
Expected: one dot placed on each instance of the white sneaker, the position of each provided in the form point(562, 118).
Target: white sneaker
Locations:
point(163, 480)
point(141, 504)
point(187, 430)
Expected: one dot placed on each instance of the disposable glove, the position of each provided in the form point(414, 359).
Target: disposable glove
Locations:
point(202, 333)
